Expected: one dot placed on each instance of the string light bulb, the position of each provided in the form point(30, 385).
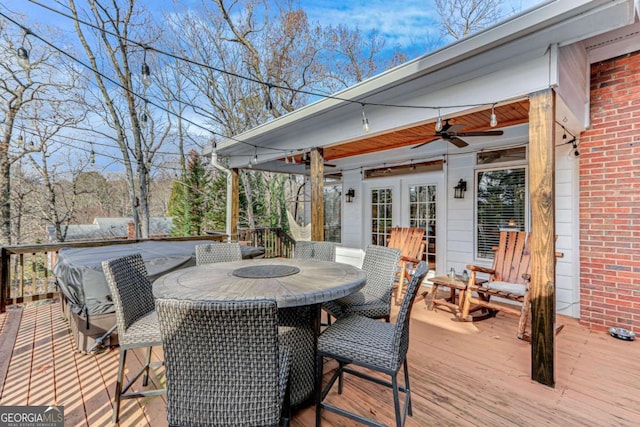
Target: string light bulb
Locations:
point(92, 157)
point(438, 126)
point(143, 120)
point(255, 157)
point(365, 121)
point(146, 75)
point(23, 58)
point(493, 121)
point(268, 103)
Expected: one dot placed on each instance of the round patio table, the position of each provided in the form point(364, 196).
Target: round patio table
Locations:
point(299, 286)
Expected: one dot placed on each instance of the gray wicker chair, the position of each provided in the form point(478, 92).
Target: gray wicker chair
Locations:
point(136, 320)
point(374, 300)
point(217, 252)
point(324, 251)
point(370, 344)
point(224, 365)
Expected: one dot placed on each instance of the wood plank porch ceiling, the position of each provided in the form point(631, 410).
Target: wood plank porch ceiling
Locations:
point(508, 115)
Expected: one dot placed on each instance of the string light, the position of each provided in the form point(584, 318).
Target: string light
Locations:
point(23, 58)
point(438, 126)
point(146, 75)
point(365, 121)
point(493, 122)
point(268, 103)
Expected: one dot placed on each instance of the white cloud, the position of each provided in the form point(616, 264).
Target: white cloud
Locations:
point(405, 23)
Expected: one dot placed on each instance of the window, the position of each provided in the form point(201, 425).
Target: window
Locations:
point(500, 199)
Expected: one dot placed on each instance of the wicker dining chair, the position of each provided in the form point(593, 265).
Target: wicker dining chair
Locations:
point(324, 251)
point(372, 345)
point(136, 320)
point(374, 299)
point(224, 365)
point(210, 253)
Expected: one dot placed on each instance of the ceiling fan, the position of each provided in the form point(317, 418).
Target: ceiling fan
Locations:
point(452, 134)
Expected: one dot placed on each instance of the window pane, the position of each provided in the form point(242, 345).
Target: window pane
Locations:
point(500, 206)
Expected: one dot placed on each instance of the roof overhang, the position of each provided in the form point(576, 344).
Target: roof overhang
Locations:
point(500, 65)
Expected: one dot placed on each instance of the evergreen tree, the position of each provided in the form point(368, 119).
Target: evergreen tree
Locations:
point(189, 202)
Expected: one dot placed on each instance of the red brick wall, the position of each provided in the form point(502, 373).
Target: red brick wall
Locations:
point(610, 197)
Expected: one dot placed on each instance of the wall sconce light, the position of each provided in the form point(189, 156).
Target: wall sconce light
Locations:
point(350, 194)
point(460, 189)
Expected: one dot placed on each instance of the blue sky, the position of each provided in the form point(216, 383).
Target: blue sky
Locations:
point(402, 22)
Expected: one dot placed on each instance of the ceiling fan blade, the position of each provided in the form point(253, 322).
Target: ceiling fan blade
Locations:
point(423, 143)
point(460, 143)
point(481, 133)
point(453, 128)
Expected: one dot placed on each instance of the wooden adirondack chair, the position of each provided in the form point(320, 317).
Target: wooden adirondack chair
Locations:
point(410, 242)
point(509, 278)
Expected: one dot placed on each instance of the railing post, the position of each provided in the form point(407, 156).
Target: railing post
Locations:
point(4, 278)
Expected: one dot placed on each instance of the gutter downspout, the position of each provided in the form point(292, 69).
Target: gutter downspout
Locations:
point(215, 164)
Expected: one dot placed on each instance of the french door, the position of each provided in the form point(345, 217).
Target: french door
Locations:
point(411, 201)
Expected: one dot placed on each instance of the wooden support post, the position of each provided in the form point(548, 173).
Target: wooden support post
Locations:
point(235, 204)
point(317, 194)
point(542, 195)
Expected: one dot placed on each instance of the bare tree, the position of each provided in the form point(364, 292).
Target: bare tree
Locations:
point(58, 195)
point(115, 23)
point(463, 17)
point(284, 58)
point(36, 86)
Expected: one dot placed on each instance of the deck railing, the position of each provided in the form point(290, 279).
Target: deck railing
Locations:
point(276, 242)
point(26, 270)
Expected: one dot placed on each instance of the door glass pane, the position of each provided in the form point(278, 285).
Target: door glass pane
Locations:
point(381, 215)
point(333, 212)
point(422, 214)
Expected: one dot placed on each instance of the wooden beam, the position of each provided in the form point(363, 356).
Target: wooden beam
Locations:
point(235, 203)
point(317, 194)
point(542, 196)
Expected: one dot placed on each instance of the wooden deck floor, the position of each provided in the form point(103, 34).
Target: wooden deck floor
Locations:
point(462, 374)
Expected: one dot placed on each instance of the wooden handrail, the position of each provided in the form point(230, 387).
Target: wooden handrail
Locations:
point(275, 241)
